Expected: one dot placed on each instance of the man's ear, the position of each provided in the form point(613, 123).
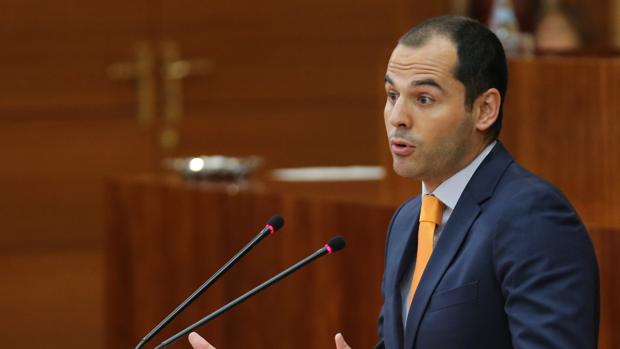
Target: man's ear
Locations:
point(486, 109)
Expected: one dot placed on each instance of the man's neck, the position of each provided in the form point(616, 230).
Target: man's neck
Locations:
point(432, 183)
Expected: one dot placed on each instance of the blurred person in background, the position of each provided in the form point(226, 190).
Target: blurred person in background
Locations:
point(563, 28)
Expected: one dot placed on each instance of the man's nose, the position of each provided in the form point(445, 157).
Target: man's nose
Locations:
point(400, 116)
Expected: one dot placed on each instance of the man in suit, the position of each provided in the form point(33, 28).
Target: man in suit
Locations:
point(489, 256)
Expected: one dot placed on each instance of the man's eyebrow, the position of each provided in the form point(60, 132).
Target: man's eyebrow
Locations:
point(423, 82)
point(427, 82)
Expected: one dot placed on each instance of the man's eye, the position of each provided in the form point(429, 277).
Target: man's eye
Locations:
point(392, 96)
point(425, 100)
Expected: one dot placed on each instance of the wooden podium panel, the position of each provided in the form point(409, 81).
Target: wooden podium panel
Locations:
point(166, 237)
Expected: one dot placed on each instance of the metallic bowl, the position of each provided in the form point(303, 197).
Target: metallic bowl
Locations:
point(216, 168)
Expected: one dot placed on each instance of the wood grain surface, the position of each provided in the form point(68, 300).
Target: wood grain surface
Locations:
point(166, 237)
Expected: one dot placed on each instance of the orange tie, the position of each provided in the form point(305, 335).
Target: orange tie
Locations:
point(430, 217)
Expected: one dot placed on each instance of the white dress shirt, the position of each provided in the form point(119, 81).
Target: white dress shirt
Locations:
point(448, 193)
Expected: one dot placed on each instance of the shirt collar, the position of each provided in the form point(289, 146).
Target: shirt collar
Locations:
point(451, 189)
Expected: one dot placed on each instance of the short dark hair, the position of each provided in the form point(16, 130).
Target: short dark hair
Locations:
point(481, 61)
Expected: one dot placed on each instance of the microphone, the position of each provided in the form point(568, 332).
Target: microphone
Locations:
point(335, 244)
point(273, 224)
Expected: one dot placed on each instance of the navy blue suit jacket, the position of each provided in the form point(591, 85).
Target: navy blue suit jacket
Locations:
point(514, 268)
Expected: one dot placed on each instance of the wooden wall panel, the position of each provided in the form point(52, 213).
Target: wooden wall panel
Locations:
point(287, 76)
point(63, 126)
point(560, 123)
point(52, 176)
point(51, 299)
point(328, 134)
point(56, 56)
point(611, 136)
point(607, 244)
point(63, 122)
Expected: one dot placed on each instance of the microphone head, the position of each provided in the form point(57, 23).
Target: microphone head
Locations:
point(337, 243)
point(276, 222)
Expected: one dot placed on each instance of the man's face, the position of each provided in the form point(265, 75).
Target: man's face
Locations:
point(430, 131)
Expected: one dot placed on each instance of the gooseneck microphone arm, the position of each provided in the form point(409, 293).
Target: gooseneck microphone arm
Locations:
point(335, 244)
point(273, 224)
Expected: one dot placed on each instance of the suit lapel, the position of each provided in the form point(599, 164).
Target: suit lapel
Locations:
point(447, 247)
point(405, 241)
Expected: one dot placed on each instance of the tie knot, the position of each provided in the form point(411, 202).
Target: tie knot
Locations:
point(432, 210)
